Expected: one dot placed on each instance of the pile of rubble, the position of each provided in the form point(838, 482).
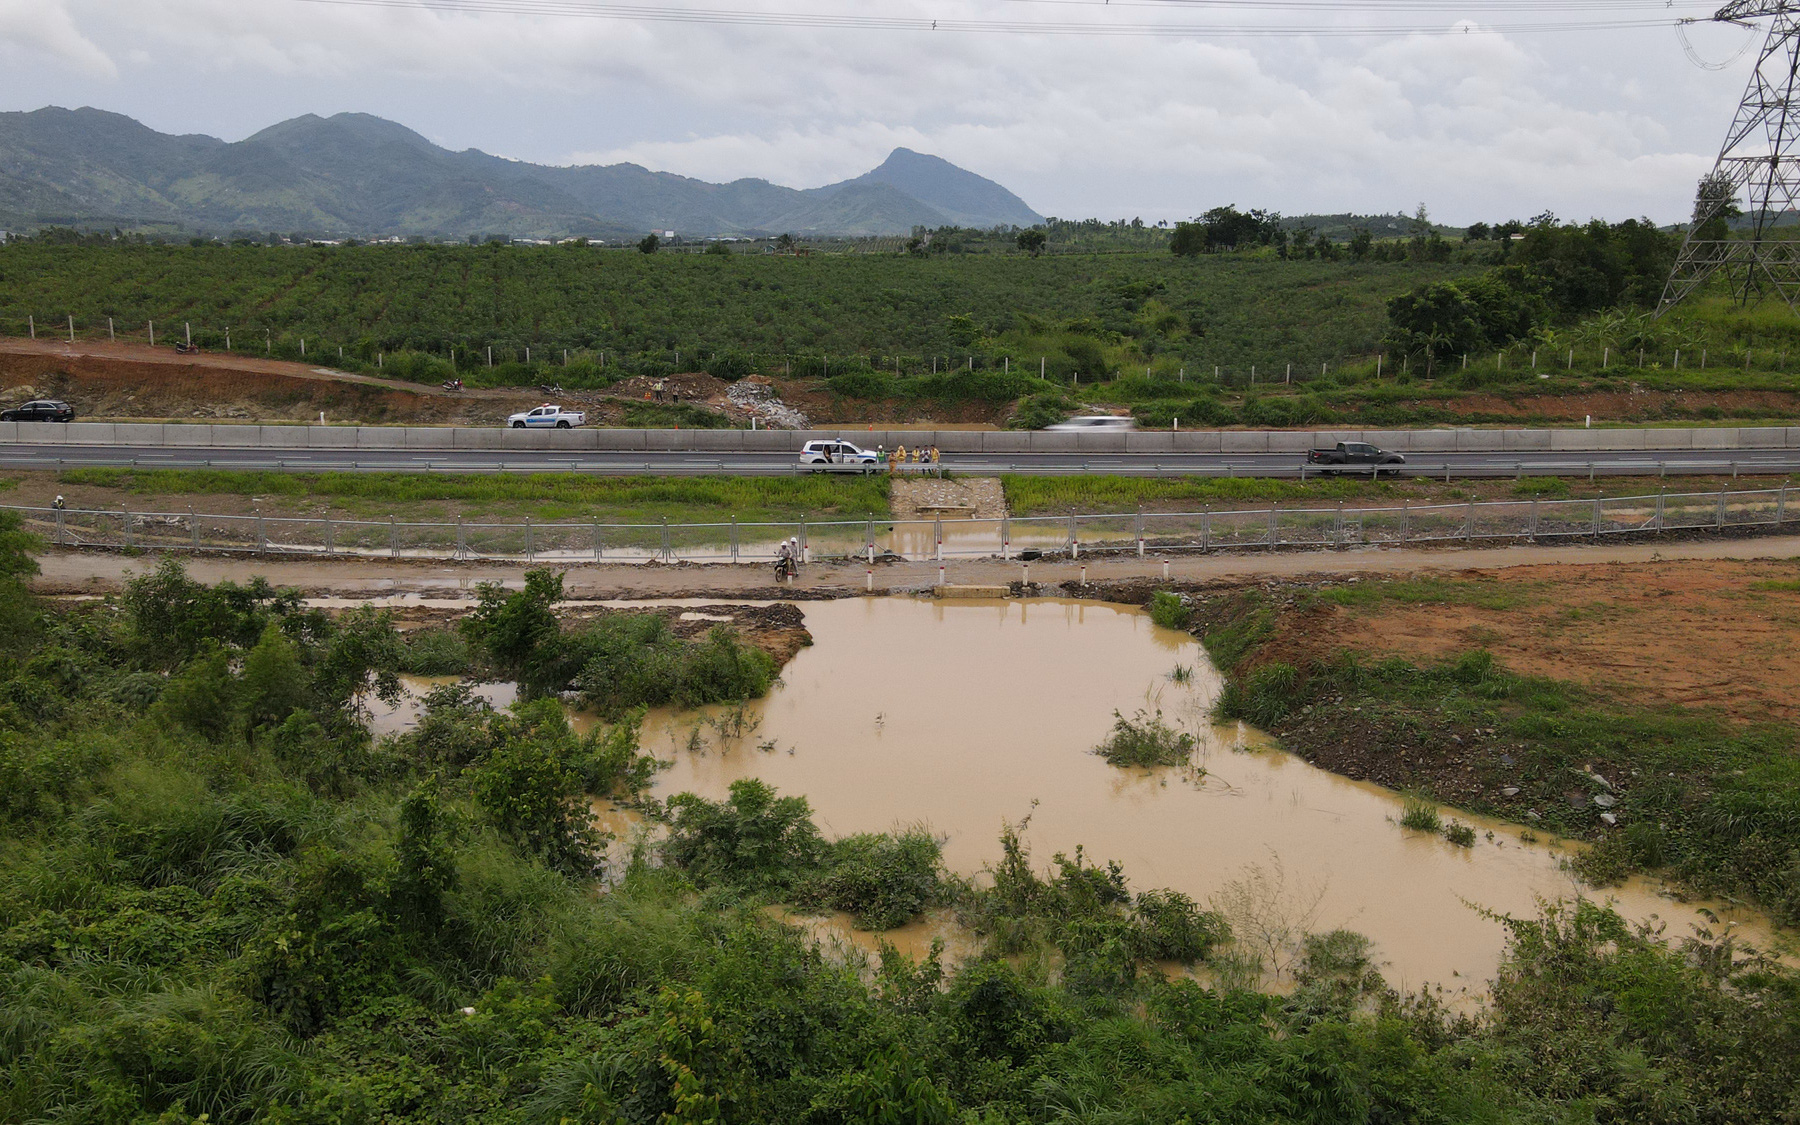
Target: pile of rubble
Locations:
point(755, 397)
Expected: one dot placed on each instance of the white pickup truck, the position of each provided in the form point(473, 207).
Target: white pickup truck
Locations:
point(547, 417)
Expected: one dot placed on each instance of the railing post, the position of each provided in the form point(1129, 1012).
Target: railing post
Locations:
point(1140, 532)
point(393, 539)
point(1205, 529)
point(262, 536)
point(61, 533)
point(734, 539)
point(668, 552)
point(462, 540)
point(1005, 537)
point(1534, 519)
point(1337, 528)
point(127, 512)
point(530, 547)
point(1596, 517)
point(1074, 546)
point(805, 542)
point(1719, 516)
point(330, 537)
point(1271, 529)
point(1405, 518)
point(937, 533)
point(194, 526)
point(1469, 528)
point(1781, 507)
point(1659, 509)
point(597, 540)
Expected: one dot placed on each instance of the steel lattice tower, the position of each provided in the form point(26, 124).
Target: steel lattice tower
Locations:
point(1761, 161)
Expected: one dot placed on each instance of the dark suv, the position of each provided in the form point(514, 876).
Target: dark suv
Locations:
point(39, 410)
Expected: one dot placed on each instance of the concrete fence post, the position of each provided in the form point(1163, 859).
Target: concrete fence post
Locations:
point(1719, 514)
point(330, 538)
point(597, 540)
point(1781, 506)
point(462, 540)
point(1659, 509)
point(869, 538)
point(1469, 529)
point(1596, 518)
point(1272, 533)
point(1534, 519)
point(1337, 528)
point(1140, 533)
point(393, 539)
point(1005, 537)
point(61, 533)
point(530, 546)
point(1405, 518)
point(668, 549)
point(262, 536)
point(734, 538)
point(937, 533)
point(194, 526)
point(127, 531)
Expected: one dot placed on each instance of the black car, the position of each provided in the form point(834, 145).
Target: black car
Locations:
point(39, 410)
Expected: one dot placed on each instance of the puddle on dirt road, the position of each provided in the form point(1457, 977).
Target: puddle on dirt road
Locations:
point(961, 715)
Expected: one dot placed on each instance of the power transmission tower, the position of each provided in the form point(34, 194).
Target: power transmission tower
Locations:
point(1761, 160)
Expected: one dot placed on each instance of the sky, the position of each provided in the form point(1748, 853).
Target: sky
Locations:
point(1488, 122)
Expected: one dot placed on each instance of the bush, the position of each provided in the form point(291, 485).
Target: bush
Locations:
point(752, 841)
point(1145, 740)
point(885, 880)
point(1040, 410)
point(1169, 610)
point(438, 652)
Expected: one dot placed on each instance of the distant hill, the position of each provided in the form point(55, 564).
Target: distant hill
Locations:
point(355, 174)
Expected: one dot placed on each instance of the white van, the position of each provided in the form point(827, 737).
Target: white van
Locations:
point(1096, 424)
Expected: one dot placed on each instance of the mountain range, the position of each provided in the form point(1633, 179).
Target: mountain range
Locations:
point(354, 174)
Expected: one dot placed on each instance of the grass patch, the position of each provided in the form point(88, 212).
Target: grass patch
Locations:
point(1777, 585)
point(1421, 816)
point(1169, 611)
point(545, 495)
point(1027, 495)
point(1427, 591)
point(1145, 740)
point(1541, 486)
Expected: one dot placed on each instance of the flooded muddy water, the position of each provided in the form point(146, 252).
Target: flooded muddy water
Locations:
point(962, 715)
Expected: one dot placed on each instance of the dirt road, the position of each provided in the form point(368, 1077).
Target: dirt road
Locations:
point(77, 572)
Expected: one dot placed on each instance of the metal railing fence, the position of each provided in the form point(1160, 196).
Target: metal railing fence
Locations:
point(1072, 536)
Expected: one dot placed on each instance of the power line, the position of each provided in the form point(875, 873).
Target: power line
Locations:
point(656, 13)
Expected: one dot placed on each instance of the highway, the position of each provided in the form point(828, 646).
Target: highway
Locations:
point(1602, 463)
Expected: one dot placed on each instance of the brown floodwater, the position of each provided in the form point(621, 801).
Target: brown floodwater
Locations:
point(961, 716)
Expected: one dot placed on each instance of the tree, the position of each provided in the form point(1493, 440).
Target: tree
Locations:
point(273, 682)
point(718, 249)
point(1361, 243)
point(1715, 205)
point(1032, 241)
point(1188, 241)
point(531, 790)
point(649, 243)
point(1477, 232)
point(517, 630)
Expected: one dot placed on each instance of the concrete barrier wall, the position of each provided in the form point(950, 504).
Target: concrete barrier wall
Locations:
point(448, 438)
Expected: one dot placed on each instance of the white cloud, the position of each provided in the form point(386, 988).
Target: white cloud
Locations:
point(31, 26)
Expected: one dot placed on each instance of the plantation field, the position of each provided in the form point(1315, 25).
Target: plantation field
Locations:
point(767, 311)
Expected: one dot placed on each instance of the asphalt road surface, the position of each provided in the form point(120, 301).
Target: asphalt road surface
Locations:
point(1617, 463)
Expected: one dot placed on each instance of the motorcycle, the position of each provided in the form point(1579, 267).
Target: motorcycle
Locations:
point(187, 349)
point(786, 569)
point(452, 385)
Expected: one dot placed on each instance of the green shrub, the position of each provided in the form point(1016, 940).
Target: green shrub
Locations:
point(1459, 834)
point(883, 879)
point(753, 840)
point(1145, 740)
point(438, 652)
point(1169, 610)
point(1040, 410)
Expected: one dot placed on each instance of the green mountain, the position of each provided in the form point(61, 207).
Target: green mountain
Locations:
point(355, 174)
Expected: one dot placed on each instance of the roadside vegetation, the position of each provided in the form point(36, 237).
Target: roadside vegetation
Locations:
point(1705, 798)
point(221, 900)
point(547, 496)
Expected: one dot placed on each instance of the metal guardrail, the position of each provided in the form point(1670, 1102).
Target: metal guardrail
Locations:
point(1074, 536)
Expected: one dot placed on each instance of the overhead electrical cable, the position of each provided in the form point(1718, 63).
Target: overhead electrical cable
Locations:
point(659, 13)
